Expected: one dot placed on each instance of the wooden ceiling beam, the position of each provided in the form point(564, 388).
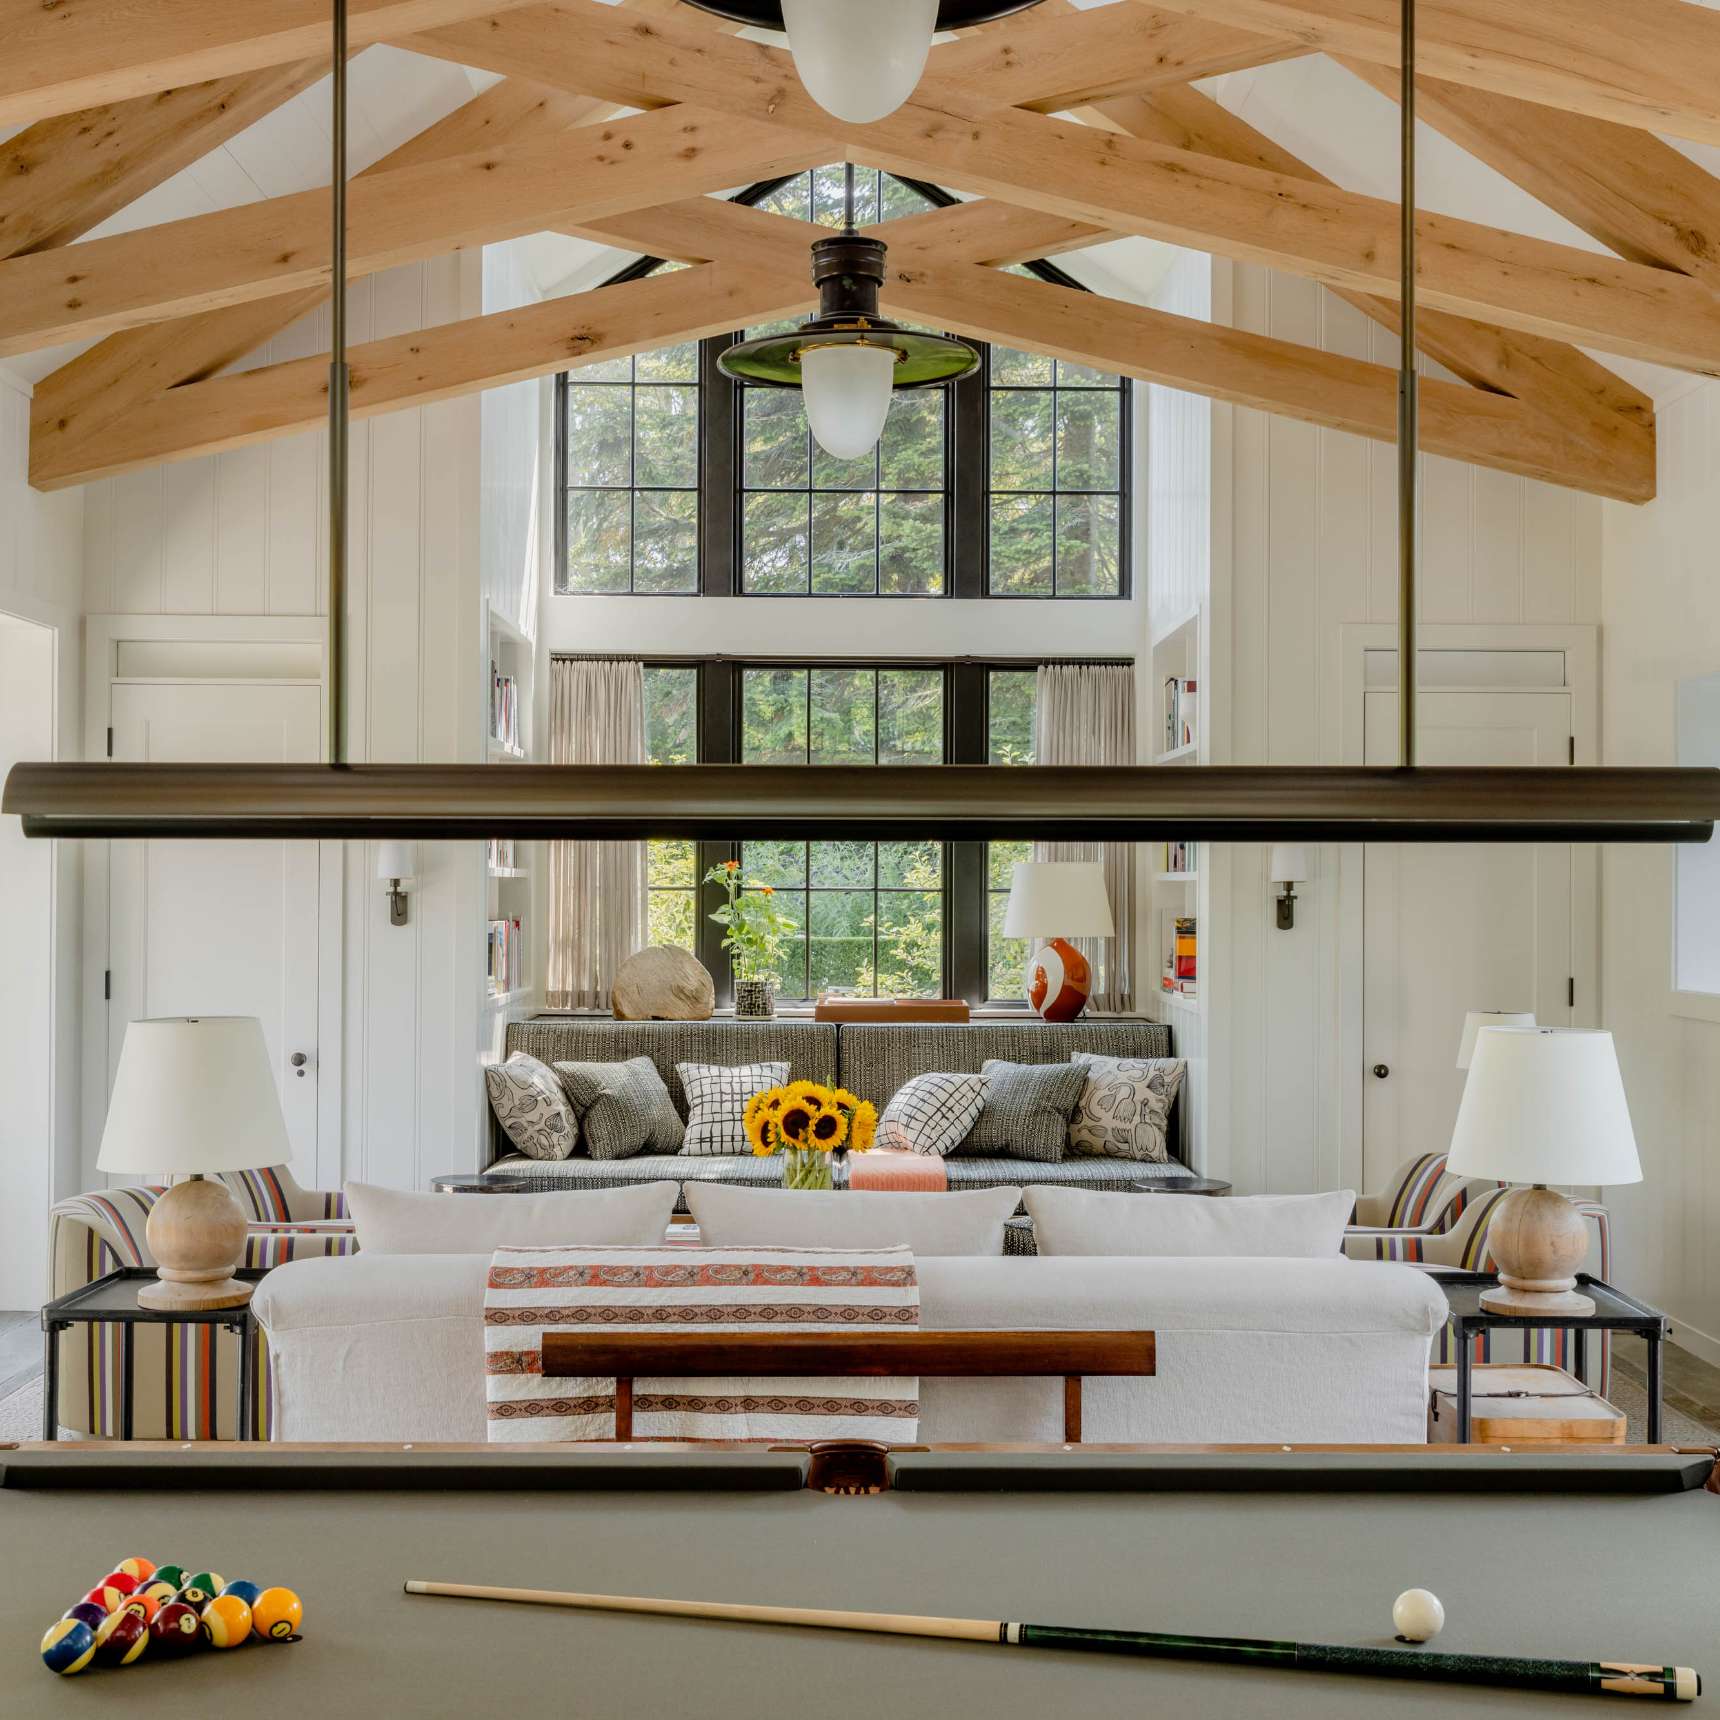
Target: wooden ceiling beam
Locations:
point(1551, 376)
point(62, 176)
point(280, 245)
point(1623, 187)
point(1653, 65)
point(1120, 183)
point(62, 58)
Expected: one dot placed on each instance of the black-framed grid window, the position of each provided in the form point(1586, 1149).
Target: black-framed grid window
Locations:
point(629, 443)
point(1056, 477)
point(1011, 713)
point(869, 917)
point(672, 863)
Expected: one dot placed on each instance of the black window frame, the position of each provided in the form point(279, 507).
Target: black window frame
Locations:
point(967, 729)
point(967, 474)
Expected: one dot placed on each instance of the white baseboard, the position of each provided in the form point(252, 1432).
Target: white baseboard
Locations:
point(1696, 1341)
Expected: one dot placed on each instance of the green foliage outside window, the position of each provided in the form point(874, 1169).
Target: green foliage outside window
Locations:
point(672, 864)
point(1011, 702)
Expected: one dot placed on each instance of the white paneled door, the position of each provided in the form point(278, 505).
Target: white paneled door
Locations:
point(1450, 927)
point(221, 928)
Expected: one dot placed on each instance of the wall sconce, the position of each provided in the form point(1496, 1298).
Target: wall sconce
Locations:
point(396, 861)
point(1289, 867)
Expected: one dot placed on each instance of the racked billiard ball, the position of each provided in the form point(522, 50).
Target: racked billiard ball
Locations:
point(121, 1638)
point(144, 1603)
point(161, 1593)
point(247, 1592)
point(174, 1574)
point(108, 1599)
point(137, 1566)
point(277, 1614)
point(68, 1647)
point(226, 1621)
point(176, 1629)
point(124, 1581)
point(196, 1593)
point(89, 1612)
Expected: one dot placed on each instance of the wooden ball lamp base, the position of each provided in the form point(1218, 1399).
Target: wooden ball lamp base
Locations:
point(1537, 1240)
point(196, 1232)
point(1059, 980)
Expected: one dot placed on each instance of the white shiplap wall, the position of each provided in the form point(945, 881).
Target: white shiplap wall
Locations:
point(1312, 518)
point(1660, 611)
point(245, 533)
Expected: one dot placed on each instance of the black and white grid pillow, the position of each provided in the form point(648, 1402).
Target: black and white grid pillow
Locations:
point(717, 1102)
point(932, 1113)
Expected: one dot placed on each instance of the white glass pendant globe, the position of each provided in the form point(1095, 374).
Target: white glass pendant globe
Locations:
point(847, 391)
point(860, 59)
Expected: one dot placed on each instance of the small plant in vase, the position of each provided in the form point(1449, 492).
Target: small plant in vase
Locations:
point(754, 931)
point(808, 1124)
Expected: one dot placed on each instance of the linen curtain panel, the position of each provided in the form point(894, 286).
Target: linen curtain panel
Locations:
point(597, 912)
point(1085, 714)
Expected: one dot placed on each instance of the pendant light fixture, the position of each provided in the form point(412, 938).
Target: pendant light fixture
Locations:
point(860, 59)
point(848, 360)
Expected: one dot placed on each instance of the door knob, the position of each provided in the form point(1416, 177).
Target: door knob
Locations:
point(298, 1061)
point(1381, 1071)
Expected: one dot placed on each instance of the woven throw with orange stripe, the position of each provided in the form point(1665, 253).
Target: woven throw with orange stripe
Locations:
point(531, 1291)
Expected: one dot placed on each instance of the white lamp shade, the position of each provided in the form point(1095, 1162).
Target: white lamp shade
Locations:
point(194, 1094)
point(847, 391)
point(1544, 1105)
point(860, 59)
point(1289, 863)
point(396, 860)
point(1057, 899)
point(1477, 1019)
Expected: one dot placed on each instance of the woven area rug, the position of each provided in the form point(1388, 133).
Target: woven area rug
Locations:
point(21, 1412)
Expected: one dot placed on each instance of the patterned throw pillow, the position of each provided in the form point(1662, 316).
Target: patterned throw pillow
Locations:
point(717, 1101)
point(1125, 1106)
point(624, 1108)
point(932, 1113)
point(532, 1107)
point(1027, 1110)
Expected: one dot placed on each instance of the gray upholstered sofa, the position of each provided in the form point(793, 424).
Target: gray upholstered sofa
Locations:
point(872, 1060)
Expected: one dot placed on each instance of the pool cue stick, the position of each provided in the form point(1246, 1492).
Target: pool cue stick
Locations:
point(1572, 1677)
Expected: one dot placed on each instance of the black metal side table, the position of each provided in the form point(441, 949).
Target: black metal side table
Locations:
point(1614, 1312)
point(112, 1300)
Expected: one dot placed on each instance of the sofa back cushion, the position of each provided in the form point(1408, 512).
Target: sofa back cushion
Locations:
point(1281, 1227)
point(390, 1221)
point(878, 1058)
point(624, 1108)
point(930, 1224)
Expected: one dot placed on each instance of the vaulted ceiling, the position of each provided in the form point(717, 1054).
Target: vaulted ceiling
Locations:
point(164, 211)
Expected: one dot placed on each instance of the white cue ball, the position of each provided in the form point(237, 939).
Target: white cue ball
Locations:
point(1418, 1615)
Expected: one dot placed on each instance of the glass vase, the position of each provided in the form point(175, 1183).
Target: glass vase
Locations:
point(806, 1167)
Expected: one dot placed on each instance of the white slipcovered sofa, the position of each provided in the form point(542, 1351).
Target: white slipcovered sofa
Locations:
point(390, 1347)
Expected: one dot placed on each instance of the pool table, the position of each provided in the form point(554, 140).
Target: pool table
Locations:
point(1584, 1555)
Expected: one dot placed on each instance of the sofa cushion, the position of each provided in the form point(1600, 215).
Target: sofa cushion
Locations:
point(532, 1107)
point(794, 1218)
point(1027, 1109)
point(932, 1114)
point(390, 1221)
point(1124, 1111)
point(716, 1104)
point(624, 1108)
point(1280, 1227)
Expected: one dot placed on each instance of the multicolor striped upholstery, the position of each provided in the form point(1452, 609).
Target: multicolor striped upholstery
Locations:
point(271, 1196)
point(1458, 1238)
point(93, 1234)
point(1409, 1196)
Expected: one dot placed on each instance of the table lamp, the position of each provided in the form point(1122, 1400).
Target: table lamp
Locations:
point(1477, 1019)
point(194, 1096)
point(1542, 1104)
point(1057, 900)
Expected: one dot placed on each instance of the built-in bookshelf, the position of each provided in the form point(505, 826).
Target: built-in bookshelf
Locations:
point(510, 867)
point(1177, 732)
point(512, 659)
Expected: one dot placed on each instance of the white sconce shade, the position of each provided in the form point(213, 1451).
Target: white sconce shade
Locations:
point(860, 59)
point(1288, 863)
point(847, 391)
point(1057, 899)
point(1477, 1019)
point(396, 860)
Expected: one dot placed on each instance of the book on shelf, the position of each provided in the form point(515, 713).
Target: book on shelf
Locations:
point(1182, 702)
point(507, 955)
point(1180, 857)
point(504, 709)
point(1183, 948)
point(500, 855)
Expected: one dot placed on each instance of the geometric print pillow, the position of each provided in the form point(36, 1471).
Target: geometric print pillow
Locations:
point(717, 1101)
point(1125, 1108)
point(932, 1113)
point(532, 1107)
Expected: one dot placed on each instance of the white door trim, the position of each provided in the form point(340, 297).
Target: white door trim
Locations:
point(103, 636)
point(1581, 648)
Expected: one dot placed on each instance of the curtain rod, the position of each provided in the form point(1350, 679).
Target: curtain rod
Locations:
point(855, 662)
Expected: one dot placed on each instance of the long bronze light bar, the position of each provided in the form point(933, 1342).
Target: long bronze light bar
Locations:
point(719, 802)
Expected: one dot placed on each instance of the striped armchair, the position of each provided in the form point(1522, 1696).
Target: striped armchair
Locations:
point(93, 1234)
point(1456, 1236)
point(1413, 1199)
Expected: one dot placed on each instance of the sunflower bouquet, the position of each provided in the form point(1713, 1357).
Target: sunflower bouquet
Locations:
point(808, 1123)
